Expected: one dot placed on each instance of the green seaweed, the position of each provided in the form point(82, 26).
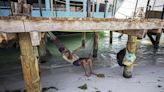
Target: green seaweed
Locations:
point(83, 87)
point(100, 75)
point(47, 88)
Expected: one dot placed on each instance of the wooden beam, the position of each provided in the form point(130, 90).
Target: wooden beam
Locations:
point(52, 7)
point(29, 64)
point(29, 24)
point(40, 7)
point(88, 8)
point(138, 33)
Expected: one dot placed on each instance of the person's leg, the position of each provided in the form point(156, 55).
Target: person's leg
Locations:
point(83, 64)
point(90, 63)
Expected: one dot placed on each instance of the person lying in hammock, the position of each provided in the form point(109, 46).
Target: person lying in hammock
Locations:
point(75, 60)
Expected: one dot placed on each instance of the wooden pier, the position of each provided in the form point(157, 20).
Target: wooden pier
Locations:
point(16, 24)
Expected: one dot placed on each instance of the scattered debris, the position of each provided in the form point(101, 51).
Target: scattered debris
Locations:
point(152, 72)
point(159, 86)
point(97, 90)
point(158, 80)
point(47, 88)
point(83, 87)
point(100, 75)
point(139, 82)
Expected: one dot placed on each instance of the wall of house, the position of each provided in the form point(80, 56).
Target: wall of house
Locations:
point(46, 10)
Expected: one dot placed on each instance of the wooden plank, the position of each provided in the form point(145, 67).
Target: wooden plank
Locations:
point(29, 64)
point(138, 33)
point(29, 24)
point(154, 14)
point(52, 7)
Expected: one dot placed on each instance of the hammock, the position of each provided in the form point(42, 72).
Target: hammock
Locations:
point(57, 42)
point(62, 48)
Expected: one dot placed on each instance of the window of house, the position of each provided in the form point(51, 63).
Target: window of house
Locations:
point(102, 7)
point(94, 7)
point(4, 4)
point(35, 3)
point(60, 5)
point(110, 8)
point(76, 6)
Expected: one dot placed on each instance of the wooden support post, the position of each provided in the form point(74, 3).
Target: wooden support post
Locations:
point(111, 37)
point(134, 15)
point(95, 44)
point(93, 8)
point(88, 8)
point(52, 7)
point(29, 64)
point(40, 7)
point(115, 7)
point(83, 39)
point(55, 4)
point(42, 47)
point(129, 56)
point(157, 34)
point(147, 7)
point(162, 15)
point(105, 11)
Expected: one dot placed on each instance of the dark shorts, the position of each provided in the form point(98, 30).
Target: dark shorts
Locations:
point(78, 62)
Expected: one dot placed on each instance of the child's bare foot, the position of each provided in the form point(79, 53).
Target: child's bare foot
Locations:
point(87, 75)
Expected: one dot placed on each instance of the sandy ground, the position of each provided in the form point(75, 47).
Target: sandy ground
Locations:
point(148, 75)
point(146, 78)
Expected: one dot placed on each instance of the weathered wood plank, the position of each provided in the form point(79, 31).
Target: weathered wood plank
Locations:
point(138, 33)
point(29, 64)
point(28, 24)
